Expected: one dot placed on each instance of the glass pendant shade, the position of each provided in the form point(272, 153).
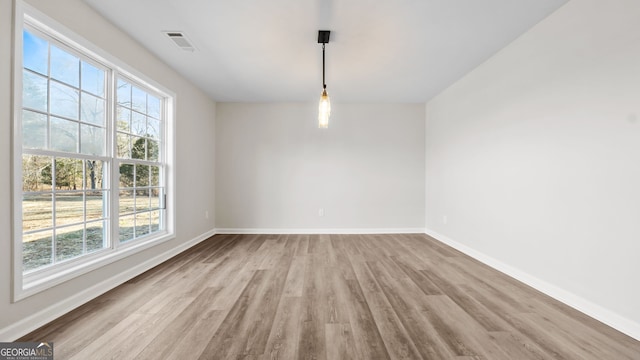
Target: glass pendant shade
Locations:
point(324, 110)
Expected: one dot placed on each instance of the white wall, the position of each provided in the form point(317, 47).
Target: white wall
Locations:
point(275, 168)
point(534, 157)
point(194, 133)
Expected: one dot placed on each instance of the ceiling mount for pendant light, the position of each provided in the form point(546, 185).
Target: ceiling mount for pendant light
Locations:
point(324, 109)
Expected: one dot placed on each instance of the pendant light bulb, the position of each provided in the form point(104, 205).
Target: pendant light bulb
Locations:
point(324, 110)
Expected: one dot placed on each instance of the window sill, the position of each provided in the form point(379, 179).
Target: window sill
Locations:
point(37, 283)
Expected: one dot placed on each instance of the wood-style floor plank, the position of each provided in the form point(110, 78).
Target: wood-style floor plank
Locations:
point(259, 297)
point(339, 341)
point(162, 345)
point(397, 341)
point(196, 339)
point(285, 332)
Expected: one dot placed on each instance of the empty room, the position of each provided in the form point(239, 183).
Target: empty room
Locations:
point(320, 179)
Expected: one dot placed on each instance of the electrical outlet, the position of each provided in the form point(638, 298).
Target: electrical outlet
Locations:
point(206, 214)
point(444, 219)
point(321, 212)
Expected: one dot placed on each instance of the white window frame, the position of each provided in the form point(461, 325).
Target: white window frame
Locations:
point(25, 286)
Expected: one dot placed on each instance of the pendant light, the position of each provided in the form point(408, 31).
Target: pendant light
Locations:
point(324, 109)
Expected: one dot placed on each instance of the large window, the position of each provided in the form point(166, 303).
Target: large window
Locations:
point(64, 131)
point(93, 157)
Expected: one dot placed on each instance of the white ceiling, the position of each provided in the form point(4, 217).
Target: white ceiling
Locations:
point(380, 50)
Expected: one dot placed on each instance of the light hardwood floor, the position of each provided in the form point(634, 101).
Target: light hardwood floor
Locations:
point(328, 297)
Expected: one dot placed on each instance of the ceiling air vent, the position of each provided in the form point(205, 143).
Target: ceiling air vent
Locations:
point(180, 40)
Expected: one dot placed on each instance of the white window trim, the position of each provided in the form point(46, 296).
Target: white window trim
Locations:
point(65, 272)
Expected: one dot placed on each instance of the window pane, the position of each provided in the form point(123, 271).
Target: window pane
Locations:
point(124, 93)
point(155, 175)
point(92, 109)
point(126, 202)
point(35, 53)
point(34, 91)
point(155, 198)
point(64, 135)
point(92, 79)
point(142, 224)
point(36, 173)
point(92, 140)
point(34, 130)
point(96, 236)
point(69, 209)
point(64, 101)
point(138, 148)
point(153, 106)
point(153, 128)
point(142, 200)
point(36, 250)
point(142, 175)
point(138, 124)
point(69, 174)
point(123, 146)
point(152, 150)
point(138, 100)
point(94, 175)
point(36, 212)
point(126, 175)
point(69, 242)
point(123, 119)
point(96, 205)
point(155, 221)
point(65, 67)
point(126, 228)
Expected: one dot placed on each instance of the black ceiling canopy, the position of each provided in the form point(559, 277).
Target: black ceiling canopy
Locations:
point(323, 36)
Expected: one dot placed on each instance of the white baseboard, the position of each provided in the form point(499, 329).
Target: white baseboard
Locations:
point(42, 317)
point(319, 231)
point(587, 307)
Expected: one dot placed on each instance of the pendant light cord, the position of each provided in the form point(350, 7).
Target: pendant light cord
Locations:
point(324, 84)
